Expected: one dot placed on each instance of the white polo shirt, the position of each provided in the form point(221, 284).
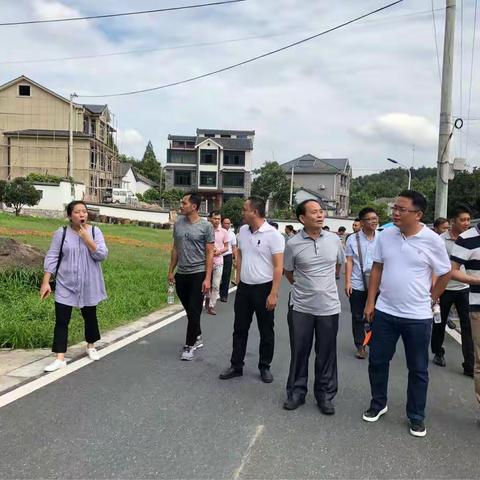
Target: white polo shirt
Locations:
point(408, 266)
point(256, 250)
point(232, 242)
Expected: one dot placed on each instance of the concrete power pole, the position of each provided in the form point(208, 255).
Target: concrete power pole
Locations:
point(445, 129)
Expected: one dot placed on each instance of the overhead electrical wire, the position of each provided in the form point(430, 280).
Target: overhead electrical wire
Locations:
point(436, 41)
point(471, 76)
point(123, 14)
point(250, 60)
point(197, 45)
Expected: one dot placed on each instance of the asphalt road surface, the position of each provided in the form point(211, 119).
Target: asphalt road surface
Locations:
point(142, 413)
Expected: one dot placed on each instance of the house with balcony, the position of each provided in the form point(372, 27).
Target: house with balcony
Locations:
point(34, 137)
point(327, 179)
point(215, 163)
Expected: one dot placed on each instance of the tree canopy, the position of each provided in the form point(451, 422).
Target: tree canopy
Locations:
point(271, 180)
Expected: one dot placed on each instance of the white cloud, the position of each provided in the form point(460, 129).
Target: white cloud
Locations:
point(131, 142)
point(402, 129)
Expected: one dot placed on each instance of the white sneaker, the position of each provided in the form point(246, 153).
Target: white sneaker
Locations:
point(93, 354)
point(198, 343)
point(55, 365)
point(187, 353)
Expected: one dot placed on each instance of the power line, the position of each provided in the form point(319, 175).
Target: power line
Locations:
point(436, 42)
point(471, 76)
point(199, 45)
point(123, 14)
point(250, 60)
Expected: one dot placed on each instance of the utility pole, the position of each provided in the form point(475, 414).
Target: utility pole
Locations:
point(291, 186)
point(445, 128)
point(70, 138)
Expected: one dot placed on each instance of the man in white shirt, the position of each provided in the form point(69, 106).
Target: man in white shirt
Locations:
point(259, 273)
point(359, 251)
point(228, 257)
point(406, 258)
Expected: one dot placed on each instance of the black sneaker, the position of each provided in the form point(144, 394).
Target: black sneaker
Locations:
point(439, 360)
point(372, 414)
point(417, 428)
point(451, 324)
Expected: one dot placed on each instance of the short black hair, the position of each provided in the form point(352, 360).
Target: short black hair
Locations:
point(418, 200)
point(357, 219)
point(459, 209)
point(213, 213)
point(439, 221)
point(301, 207)
point(365, 211)
point(73, 204)
point(342, 229)
point(194, 198)
point(257, 204)
point(290, 227)
point(326, 227)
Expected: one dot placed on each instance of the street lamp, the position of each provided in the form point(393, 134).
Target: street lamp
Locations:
point(407, 168)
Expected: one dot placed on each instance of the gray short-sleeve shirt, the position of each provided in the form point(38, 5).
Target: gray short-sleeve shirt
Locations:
point(191, 240)
point(313, 262)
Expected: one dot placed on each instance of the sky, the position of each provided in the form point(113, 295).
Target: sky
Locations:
point(368, 91)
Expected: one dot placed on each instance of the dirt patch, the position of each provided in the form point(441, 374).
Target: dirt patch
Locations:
point(14, 255)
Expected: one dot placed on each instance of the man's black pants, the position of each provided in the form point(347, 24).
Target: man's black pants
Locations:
point(227, 272)
point(252, 299)
point(302, 328)
point(460, 299)
point(189, 291)
point(358, 299)
point(63, 313)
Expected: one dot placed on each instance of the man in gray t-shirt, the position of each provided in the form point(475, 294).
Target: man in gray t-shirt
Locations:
point(192, 254)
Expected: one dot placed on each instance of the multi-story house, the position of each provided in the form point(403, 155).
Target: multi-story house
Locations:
point(328, 178)
point(34, 137)
point(215, 163)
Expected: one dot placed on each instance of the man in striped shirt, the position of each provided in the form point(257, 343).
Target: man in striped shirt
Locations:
point(466, 251)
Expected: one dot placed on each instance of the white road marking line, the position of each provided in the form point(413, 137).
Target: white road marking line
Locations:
point(454, 334)
point(41, 382)
point(246, 457)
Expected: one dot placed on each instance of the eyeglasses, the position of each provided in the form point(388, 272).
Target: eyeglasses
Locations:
point(402, 210)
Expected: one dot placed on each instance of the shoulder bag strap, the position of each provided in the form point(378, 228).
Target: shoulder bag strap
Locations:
point(60, 254)
point(360, 257)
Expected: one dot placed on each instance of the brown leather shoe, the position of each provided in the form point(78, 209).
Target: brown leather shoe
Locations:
point(361, 353)
point(211, 311)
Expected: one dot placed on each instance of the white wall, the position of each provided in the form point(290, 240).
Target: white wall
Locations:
point(128, 181)
point(131, 214)
point(141, 187)
point(57, 197)
point(331, 222)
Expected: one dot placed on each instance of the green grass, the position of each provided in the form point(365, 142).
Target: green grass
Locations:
point(135, 277)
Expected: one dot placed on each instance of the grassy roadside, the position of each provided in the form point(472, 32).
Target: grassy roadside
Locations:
point(135, 277)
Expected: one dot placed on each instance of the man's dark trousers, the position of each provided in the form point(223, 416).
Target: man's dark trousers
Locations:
point(252, 299)
point(189, 291)
point(358, 299)
point(302, 328)
point(227, 272)
point(386, 330)
point(459, 298)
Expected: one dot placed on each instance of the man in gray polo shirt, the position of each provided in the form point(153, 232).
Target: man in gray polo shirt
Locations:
point(312, 259)
point(192, 255)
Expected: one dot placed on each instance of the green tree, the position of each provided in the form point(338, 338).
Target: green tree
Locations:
point(3, 188)
point(149, 166)
point(172, 198)
point(152, 195)
point(21, 192)
point(464, 189)
point(232, 209)
point(271, 179)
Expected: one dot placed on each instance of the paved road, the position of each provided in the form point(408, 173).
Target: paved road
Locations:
point(141, 413)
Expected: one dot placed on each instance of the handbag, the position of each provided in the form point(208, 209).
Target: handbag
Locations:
point(365, 277)
point(53, 281)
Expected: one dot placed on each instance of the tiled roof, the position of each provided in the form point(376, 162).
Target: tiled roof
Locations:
point(95, 109)
point(140, 178)
point(203, 131)
point(182, 138)
point(311, 164)
point(229, 143)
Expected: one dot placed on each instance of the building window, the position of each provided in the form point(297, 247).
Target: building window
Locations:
point(210, 135)
point(182, 178)
point(208, 179)
point(190, 144)
point(241, 135)
point(24, 90)
point(208, 157)
point(225, 136)
point(93, 158)
point(234, 158)
point(181, 156)
point(234, 179)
